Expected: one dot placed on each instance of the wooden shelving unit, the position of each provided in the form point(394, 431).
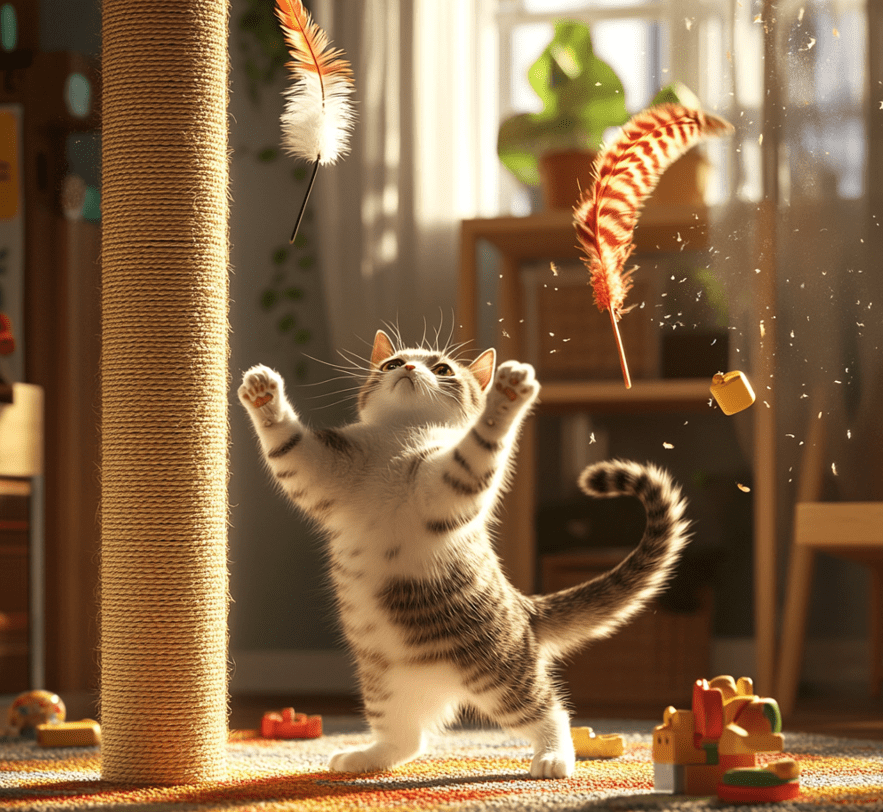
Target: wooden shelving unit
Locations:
point(550, 237)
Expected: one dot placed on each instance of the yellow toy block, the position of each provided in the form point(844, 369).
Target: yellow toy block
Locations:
point(85, 733)
point(732, 391)
point(588, 745)
point(738, 741)
point(673, 739)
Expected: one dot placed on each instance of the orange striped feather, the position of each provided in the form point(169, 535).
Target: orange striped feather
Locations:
point(626, 172)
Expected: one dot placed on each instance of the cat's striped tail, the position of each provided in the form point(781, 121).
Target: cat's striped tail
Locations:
point(566, 620)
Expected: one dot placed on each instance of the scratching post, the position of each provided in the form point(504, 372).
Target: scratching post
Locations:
point(164, 391)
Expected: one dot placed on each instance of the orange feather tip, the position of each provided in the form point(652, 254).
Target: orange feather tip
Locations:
point(318, 115)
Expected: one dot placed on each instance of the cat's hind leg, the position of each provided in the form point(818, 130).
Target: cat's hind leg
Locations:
point(527, 704)
point(409, 707)
point(553, 753)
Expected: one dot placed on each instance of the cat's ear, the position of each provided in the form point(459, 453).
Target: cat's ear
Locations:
point(483, 368)
point(382, 350)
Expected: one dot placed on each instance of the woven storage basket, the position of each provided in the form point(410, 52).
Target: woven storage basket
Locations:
point(655, 659)
point(569, 339)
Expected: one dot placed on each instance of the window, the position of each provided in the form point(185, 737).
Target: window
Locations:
point(716, 47)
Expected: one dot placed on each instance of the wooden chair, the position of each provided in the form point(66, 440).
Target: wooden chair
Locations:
point(850, 530)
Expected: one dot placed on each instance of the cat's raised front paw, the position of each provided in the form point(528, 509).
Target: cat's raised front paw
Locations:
point(515, 385)
point(262, 390)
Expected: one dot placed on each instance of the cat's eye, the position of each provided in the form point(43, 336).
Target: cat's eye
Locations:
point(394, 364)
point(442, 369)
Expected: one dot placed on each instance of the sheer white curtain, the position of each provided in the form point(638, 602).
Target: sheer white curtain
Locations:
point(389, 213)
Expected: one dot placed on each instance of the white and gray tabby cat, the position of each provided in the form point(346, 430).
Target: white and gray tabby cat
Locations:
point(405, 496)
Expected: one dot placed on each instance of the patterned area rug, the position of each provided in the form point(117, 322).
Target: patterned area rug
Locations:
point(465, 770)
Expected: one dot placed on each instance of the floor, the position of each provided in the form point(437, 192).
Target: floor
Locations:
point(850, 716)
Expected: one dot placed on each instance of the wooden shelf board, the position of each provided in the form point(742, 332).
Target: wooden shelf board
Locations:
point(644, 396)
point(550, 234)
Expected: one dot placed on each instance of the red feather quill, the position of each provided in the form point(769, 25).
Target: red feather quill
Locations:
point(626, 172)
point(318, 115)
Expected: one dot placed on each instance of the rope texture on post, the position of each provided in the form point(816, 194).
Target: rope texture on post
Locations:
point(164, 589)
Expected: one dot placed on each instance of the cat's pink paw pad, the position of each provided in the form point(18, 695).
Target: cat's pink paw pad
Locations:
point(515, 380)
point(259, 387)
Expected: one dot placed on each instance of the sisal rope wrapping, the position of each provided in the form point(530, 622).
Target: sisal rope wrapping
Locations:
point(164, 391)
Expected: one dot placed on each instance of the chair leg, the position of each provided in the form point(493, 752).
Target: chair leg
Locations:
point(876, 630)
point(800, 572)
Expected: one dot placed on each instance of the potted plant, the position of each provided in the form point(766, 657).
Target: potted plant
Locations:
point(582, 97)
point(684, 182)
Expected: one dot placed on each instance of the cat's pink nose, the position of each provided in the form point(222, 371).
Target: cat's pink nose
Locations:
point(409, 366)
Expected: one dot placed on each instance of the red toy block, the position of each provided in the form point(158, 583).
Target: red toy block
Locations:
point(778, 781)
point(286, 724)
point(761, 795)
point(708, 712)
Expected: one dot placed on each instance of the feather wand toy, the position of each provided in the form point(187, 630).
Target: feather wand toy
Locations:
point(318, 115)
point(626, 172)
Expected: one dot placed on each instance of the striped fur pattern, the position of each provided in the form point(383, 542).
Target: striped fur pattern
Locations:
point(406, 496)
point(626, 172)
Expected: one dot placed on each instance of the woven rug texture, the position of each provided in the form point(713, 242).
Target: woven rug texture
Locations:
point(463, 770)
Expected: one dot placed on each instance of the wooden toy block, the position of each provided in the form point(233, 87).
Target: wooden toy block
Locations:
point(286, 724)
point(701, 779)
point(669, 777)
point(708, 712)
point(588, 745)
point(738, 741)
point(778, 781)
point(673, 739)
point(85, 733)
point(726, 728)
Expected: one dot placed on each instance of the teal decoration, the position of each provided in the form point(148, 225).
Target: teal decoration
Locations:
point(8, 27)
point(78, 95)
point(92, 205)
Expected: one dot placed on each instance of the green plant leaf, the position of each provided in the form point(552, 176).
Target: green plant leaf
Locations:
point(268, 299)
point(677, 93)
point(516, 143)
point(582, 97)
point(286, 323)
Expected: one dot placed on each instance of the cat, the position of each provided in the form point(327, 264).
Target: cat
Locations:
point(405, 497)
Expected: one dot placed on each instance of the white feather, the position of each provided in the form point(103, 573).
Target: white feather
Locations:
point(314, 127)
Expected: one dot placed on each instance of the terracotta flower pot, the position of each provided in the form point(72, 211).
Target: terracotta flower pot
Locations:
point(563, 175)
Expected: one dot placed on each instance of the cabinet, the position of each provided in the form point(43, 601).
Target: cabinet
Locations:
point(21, 465)
point(14, 586)
point(549, 236)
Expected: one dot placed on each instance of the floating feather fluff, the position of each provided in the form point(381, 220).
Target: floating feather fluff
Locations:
point(318, 115)
point(626, 172)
